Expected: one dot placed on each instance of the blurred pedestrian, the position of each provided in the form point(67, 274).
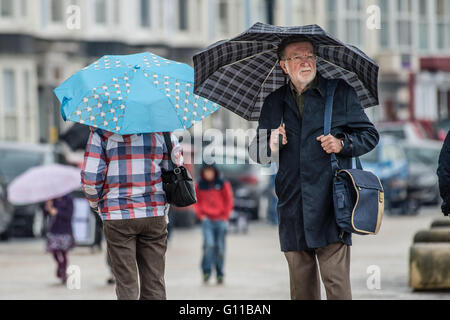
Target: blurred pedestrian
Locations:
point(309, 235)
point(213, 208)
point(59, 236)
point(443, 173)
point(121, 178)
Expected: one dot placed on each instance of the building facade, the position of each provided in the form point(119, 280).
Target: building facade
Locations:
point(43, 42)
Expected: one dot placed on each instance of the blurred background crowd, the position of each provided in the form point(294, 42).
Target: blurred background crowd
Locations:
point(43, 42)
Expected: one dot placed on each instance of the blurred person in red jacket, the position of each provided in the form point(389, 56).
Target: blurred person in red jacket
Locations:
point(213, 208)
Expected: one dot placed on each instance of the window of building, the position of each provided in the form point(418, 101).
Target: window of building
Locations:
point(223, 17)
point(26, 81)
point(404, 24)
point(9, 90)
point(100, 11)
point(6, 8)
point(353, 5)
point(353, 31)
point(404, 6)
point(145, 13)
point(161, 12)
point(404, 33)
point(384, 31)
point(116, 7)
point(9, 103)
point(443, 23)
point(183, 15)
point(354, 22)
point(56, 11)
point(198, 8)
point(27, 101)
point(423, 24)
point(443, 101)
point(262, 9)
point(332, 14)
point(23, 8)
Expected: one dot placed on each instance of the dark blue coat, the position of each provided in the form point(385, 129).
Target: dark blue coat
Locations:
point(303, 181)
point(443, 173)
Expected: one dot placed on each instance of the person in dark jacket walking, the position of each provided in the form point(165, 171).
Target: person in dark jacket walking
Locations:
point(309, 235)
point(213, 208)
point(60, 237)
point(443, 173)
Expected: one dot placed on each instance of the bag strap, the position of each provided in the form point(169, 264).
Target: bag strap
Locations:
point(331, 88)
point(169, 147)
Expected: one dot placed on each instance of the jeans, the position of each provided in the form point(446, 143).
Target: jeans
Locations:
point(214, 233)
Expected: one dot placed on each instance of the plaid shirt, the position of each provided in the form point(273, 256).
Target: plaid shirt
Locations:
point(121, 175)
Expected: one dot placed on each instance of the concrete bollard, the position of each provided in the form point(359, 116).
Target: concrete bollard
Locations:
point(429, 266)
point(440, 223)
point(437, 234)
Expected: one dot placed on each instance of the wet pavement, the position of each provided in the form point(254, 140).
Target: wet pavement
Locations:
point(255, 268)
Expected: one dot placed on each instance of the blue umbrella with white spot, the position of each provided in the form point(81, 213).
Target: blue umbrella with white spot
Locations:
point(137, 93)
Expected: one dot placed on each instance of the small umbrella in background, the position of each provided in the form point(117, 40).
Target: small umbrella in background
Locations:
point(137, 93)
point(76, 137)
point(241, 72)
point(43, 183)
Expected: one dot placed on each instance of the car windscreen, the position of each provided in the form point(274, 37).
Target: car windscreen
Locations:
point(14, 162)
point(371, 156)
point(425, 156)
point(397, 133)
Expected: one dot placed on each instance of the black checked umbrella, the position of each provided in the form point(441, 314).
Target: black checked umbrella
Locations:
point(241, 72)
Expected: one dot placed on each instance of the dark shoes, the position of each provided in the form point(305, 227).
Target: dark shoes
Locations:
point(207, 276)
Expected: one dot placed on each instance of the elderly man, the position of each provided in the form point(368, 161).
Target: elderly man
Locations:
point(309, 235)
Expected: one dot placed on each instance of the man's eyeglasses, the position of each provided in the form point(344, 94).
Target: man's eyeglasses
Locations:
point(299, 59)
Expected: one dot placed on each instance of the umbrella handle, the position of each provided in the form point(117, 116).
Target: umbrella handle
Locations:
point(280, 142)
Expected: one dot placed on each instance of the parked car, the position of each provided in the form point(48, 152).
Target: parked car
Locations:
point(423, 159)
point(16, 158)
point(6, 213)
point(441, 128)
point(388, 161)
point(248, 180)
point(403, 130)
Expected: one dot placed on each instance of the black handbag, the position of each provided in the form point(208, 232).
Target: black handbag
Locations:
point(177, 182)
point(358, 195)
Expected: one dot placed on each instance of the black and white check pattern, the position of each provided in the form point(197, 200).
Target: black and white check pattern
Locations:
point(240, 73)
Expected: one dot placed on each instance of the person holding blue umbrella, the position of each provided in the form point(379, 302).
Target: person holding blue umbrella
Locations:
point(131, 103)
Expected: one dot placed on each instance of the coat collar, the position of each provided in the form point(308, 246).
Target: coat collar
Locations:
point(289, 99)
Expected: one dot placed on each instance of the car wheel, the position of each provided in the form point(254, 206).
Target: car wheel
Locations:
point(183, 218)
point(410, 207)
point(4, 236)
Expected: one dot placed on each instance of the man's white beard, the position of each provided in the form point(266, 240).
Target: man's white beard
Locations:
point(302, 80)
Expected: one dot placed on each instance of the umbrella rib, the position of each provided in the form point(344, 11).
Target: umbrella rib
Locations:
point(267, 77)
point(246, 58)
point(349, 72)
point(256, 42)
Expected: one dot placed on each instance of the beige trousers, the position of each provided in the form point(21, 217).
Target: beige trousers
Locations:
point(334, 264)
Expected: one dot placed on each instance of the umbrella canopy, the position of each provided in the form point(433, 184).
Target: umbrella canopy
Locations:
point(43, 183)
point(137, 93)
point(241, 72)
